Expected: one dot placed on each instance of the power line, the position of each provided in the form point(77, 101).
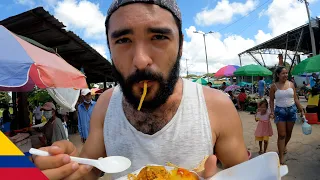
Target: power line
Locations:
point(243, 16)
point(248, 26)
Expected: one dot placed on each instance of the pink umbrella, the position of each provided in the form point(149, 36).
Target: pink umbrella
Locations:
point(231, 88)
point(226, 71)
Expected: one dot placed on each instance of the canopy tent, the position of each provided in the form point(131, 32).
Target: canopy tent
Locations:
point(252, 70)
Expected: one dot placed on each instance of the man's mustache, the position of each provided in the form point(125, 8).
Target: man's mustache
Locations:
point(139, 76)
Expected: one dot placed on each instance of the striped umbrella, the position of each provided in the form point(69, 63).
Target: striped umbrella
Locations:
point(24, 65)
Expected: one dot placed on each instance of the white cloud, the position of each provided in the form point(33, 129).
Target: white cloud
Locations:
point(286, 15)
point(101, 48)
point(262, 37)
point(220, 52)
point(262, 13)
point(82, 15)
point(224, 12)
point(29, 3)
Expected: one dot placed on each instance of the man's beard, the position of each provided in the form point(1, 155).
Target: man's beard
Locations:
point(166, 86)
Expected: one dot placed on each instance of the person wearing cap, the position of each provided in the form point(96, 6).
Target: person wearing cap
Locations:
point(180, 121)
point(53, 130)
point(84, 114)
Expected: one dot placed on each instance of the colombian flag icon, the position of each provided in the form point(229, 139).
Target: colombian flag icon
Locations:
point(14, 165)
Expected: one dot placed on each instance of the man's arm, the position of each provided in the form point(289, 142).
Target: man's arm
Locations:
point(94, 147)
point(226, 128)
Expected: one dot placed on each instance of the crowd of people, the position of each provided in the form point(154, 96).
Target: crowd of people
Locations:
point(282, 107)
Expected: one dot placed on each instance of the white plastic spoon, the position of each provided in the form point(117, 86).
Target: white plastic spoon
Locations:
point(111, 164)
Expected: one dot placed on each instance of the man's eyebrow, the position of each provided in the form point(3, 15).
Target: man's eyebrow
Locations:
point(159, 30)
point(121, 32)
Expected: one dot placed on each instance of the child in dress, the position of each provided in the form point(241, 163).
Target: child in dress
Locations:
point(264, 128)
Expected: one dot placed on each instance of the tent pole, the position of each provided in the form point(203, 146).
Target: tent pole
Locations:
point(252, 84)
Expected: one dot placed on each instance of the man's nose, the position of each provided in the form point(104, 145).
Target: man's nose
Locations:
point(141, 57)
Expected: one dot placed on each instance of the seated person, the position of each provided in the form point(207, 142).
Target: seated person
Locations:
point(242, 99)
point(313, 102)
point(233, 98)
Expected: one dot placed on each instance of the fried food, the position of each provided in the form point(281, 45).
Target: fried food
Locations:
point(200, 167)
point(145, 87)
point(161, 173)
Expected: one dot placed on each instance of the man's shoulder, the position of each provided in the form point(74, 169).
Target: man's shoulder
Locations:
point(104, 99)
point(58, 120)
point(216, 97)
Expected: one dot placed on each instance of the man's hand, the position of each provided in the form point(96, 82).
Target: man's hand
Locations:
point(58, 165)
point(210, 167)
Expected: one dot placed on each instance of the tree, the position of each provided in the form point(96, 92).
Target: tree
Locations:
point(4, 97)
point(38, 96)
point(192, 76)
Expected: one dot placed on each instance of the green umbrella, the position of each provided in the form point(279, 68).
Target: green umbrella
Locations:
point(201, 81)
point(310, 65)
point(252, 70)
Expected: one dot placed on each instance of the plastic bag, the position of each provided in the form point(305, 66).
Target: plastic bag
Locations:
point(306, 128)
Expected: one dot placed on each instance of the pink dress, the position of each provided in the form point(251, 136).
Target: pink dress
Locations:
point(264, 128)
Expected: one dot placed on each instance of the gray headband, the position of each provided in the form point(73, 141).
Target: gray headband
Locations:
point(169, 5)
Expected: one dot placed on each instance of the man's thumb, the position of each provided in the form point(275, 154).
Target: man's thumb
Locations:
point(210, 167)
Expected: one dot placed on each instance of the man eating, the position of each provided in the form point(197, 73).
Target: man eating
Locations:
point(179, 121)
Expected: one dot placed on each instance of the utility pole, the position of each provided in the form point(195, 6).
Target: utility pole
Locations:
point(313, 43)
point(205, 48)
point(187, 67)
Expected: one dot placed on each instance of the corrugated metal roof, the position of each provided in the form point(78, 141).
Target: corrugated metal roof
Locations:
point(279, 42)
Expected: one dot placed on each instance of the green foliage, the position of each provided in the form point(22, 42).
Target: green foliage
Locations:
point(209, 74)
point(192, 76)
point(38, 96)
point(4, 97)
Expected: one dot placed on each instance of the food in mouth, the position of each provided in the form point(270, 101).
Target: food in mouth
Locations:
point(145, 87)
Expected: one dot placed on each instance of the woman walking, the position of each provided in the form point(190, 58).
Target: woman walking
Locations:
point(283, 105)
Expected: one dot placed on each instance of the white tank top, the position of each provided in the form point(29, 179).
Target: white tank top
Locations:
point(284, 98)
point(184, 141)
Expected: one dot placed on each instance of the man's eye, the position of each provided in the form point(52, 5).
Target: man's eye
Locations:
point(123, 40)
point(159, 37)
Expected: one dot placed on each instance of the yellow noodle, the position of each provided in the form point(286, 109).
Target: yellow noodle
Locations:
point(143, 94)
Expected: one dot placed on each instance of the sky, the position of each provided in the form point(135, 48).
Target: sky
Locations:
point(237, 25)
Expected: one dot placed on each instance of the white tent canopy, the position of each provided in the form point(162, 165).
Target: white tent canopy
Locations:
point(66, 98)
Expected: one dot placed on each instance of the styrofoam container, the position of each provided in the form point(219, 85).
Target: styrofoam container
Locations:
point(263, 167)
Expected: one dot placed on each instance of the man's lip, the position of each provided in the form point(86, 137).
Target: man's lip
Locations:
point(149, 83)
